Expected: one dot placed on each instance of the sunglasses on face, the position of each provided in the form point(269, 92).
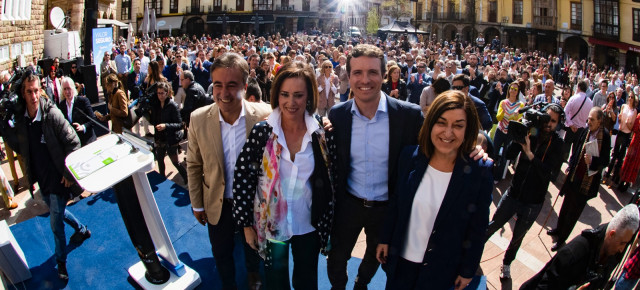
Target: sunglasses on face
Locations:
point(458, 88)
point(513, 88)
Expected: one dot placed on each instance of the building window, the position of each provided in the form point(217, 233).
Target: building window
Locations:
point(239, 5)
point(262, 5)
point(16, 49)
point(16, 10)
point(125, 10)
point(154, 5)
point(544, 13)
point(517, 11)
point(606, 22)
point(173, 6)
point(636, 24)
point(419, 11)
point(4, 53)
point(27, 48)
point(217, 5)
point(576, 16)
point(493, 11)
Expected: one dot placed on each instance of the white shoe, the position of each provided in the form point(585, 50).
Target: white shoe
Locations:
point(505, 272)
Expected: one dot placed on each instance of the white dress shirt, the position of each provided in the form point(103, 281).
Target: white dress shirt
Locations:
point(295, 175)
point(426, 204)
point(233, 138)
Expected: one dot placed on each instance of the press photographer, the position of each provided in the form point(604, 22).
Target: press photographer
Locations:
point(35, 128)
point(540, 160)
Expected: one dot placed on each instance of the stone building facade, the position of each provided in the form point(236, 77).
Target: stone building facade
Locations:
point(21, 31)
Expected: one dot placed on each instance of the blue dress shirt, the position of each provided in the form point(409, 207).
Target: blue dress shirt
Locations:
point(368, 176)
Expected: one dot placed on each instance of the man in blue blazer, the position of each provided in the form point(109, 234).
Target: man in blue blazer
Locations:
point(417, 82)
point(370, 131)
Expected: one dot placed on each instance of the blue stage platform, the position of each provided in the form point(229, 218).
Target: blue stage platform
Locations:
point(101, 262)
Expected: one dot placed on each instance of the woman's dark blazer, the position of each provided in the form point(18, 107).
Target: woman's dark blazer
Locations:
point(458, 237)
point(402, 89)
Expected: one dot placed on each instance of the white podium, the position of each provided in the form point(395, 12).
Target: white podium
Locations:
point(113, 161)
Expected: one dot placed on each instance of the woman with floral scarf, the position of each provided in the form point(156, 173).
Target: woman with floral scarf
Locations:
point(283, 189)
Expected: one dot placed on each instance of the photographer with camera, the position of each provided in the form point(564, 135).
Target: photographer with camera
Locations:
point(540, 160)
point(165, 117)
point(44, 138)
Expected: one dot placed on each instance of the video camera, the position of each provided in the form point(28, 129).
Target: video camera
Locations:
point(146, 100)
point(10, 103)
point(534, 116)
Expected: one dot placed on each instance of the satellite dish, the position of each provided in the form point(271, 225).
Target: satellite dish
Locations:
point(57, 17)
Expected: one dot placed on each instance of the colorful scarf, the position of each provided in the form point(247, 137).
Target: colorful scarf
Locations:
point(270, 205)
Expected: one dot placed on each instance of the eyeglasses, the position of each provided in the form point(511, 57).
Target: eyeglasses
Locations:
point(458, 88)
point(422, 66)
point(74, 66)
point(327, 66)
point(513, 88)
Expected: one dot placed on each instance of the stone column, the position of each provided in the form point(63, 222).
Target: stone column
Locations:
point(77, 15)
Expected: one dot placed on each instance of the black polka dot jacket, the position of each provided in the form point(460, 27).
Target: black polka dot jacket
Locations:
point(254, 203)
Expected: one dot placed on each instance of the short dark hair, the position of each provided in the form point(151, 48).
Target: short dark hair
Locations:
point(582, 86)
point(440, 85)
point(188, 75)
point(296, 69)
point(231, 60)
point(166, 87)
point(450, 100)
point(253, 89)
point(465, 79)
point(366, 50)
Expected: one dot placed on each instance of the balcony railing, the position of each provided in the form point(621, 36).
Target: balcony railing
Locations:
point(194, 9)
point(446, 16)
point(607, 31)
point(544, 21)
point(285, 8)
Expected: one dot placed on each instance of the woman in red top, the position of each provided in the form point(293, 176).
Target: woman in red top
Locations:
point(393, 85)
point(631, 162)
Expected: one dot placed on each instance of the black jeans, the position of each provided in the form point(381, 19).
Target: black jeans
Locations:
point(161, 150)
point(617, 158)
point(351, 217)
point(221, 237)
point(572, 207)
point(527, 215)
point(305, 250)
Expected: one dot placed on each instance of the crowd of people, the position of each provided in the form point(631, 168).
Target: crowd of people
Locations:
point(302, 142)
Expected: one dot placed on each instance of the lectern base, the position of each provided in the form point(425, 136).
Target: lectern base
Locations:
point(189, 280)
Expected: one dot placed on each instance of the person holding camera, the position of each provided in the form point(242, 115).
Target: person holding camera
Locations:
point(44, 139)
point(540, 159)
point(165, 117)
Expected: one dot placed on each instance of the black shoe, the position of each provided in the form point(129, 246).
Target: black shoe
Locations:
point(62, 271)
point(557, 246)
point(623, 186)
point(79, 237)
point(552, 232)
point(149, 135)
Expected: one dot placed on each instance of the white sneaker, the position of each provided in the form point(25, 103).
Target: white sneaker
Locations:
point(505, 272)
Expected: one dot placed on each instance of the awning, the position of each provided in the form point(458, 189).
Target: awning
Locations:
point(619, 45)
point(112, 22)
point(168, 23)
point(251, 19)
point(219, 19)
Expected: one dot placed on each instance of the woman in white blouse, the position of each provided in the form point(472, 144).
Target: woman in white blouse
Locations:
point(284, 193)
point(327, 88)
point(433, 235)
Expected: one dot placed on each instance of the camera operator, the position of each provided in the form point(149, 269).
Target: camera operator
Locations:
point(540, 160)
point(165, 116)
point(44, 139)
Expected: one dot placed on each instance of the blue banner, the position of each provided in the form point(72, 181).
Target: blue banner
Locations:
point(102, 41)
